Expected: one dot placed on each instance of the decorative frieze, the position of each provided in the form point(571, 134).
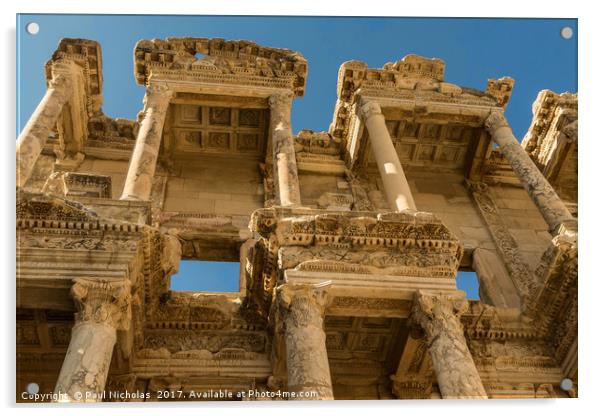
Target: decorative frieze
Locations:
point(241, 63)
point(519, 271)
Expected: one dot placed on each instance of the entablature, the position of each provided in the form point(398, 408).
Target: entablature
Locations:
point(220, 63)
point(429, 120)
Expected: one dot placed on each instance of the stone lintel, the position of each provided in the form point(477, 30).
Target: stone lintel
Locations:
point(357, 293)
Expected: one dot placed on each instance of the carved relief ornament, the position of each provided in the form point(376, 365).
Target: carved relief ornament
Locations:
point(102, 302)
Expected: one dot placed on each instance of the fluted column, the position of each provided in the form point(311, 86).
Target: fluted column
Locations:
point(394, 180)
point(439, 318)
point(286, 179)
point(103, 308)
point(141, 171)
point(541, 192)
point(32, 139)
point(301, 308)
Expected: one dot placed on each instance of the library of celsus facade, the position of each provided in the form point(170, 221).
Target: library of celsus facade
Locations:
point(349, 240)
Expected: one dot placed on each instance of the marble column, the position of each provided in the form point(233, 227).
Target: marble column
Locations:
point(32, 139)
point(103, 308)
point(541, 192)
point(439, 318)
point(286, 179)
point(301, 309)
point(141, 171)
point(394, 180)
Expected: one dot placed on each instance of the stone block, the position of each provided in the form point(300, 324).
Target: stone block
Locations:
point(495, 283)
point(524, 236)
point(476, 233)
point(438, 187)
point(175, 204)
point(110, 166)
point(430, 202)
point(236, 207)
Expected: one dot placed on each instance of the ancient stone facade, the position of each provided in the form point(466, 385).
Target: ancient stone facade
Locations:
point(349, 241)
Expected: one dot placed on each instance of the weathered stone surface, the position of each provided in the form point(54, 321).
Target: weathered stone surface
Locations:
point(286, 179)
point(349, 241)
point(302, 310)
point(550, 205)
point(138, 182)
point(33, 137)
point(456, 373)
point(103, 307)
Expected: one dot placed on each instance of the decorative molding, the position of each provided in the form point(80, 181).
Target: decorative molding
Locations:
point(519, 271)
point(103, 302)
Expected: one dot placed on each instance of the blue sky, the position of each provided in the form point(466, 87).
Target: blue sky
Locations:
point(529, 50)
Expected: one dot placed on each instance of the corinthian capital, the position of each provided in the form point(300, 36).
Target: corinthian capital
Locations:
point(369, 109)
point(103, 302)
point(158, 89)
point(62, 81)
point(281, 99)
point(437, 313)
point(571, 130)
point(64, 72)
point(302, 303)
point(495, 120)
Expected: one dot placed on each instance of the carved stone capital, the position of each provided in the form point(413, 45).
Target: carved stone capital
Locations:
point(158, 96)
point(64, 67)
point(495, 120)
point(571, 130)
point(159, 89)
point(369, 109)
point(302, 302)
point(61, 81)
point(281, 100)
point(435, 313)
point(102, 302)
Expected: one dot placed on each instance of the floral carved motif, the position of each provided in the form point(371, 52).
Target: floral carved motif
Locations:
point(104, 302)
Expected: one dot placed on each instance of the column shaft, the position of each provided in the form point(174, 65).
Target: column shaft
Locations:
point(86, 366)
point(541, 192)
point(141, 171)
point(32, 139)
point(302, 309)
point(104, 307)
point(394, 180)
point(454, 367)
point(286, 179)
